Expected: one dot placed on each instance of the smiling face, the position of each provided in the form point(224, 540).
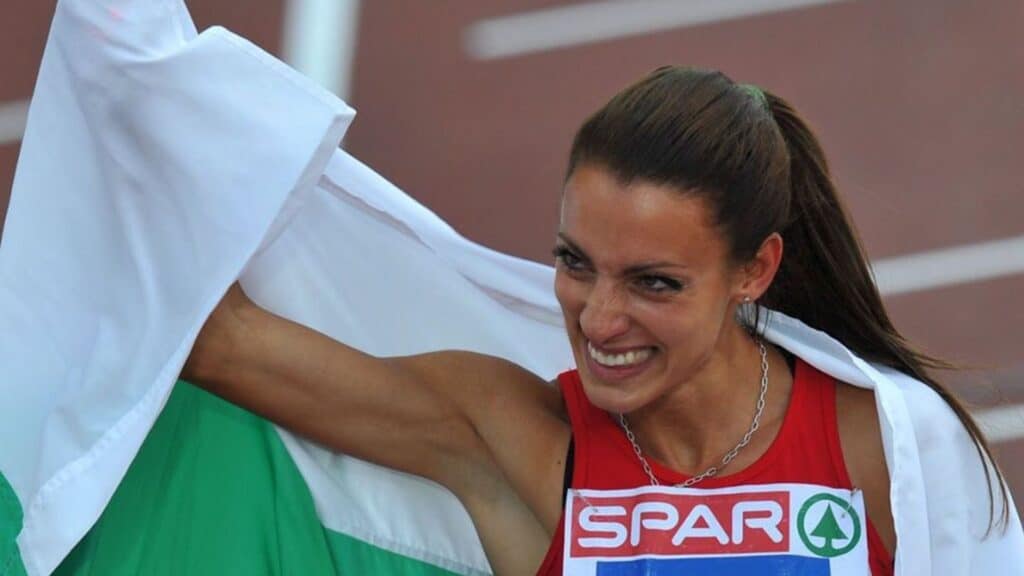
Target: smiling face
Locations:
point(646, 287)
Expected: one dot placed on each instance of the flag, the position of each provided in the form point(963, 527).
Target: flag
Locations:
point(158, 165)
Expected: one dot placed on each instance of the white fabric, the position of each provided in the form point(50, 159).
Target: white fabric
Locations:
point(155, 165)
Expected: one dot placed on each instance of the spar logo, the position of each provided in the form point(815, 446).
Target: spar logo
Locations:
point(674, 524)
point(828, 525)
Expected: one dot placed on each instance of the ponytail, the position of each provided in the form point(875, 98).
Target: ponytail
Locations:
point(825, 281)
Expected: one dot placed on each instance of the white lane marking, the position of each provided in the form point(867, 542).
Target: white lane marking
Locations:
point(320, 41)
point(1002, 423)
point(12, 120)
point(589, 22)
point(949, 266)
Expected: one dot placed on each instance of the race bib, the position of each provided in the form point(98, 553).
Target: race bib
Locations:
point(790, 529)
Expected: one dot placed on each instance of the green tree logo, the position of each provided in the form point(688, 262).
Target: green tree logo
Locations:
point(827, 538)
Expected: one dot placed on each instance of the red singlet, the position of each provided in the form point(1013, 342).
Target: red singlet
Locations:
point(806, 450)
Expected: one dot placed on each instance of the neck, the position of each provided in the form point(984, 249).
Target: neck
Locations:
point(692, 427)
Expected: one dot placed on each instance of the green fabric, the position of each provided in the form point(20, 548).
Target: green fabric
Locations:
point(212, 491)
point(10, 526)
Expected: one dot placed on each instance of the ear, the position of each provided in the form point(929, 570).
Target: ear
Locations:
point(756, 275)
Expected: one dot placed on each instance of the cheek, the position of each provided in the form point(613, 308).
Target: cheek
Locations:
point(673, 326)
point(570, 295)
point(685, 328)
point(693, 333)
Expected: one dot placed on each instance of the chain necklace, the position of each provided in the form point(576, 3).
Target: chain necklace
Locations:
point(730, 455)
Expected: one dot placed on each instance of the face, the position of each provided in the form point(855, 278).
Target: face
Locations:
point(645, 284)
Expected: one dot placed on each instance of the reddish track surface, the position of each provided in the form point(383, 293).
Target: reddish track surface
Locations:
point(917, 103)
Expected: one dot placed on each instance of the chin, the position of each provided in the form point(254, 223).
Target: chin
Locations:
point(620, 388)
point(610, 397)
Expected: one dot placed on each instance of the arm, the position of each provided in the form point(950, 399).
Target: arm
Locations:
point(453, 417)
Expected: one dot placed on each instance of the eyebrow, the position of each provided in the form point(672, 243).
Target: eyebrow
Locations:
point(634, 269)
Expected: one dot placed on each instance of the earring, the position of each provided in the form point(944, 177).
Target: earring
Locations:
point(746, 299)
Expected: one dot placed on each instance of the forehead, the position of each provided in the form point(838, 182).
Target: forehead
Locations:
point(623, 223)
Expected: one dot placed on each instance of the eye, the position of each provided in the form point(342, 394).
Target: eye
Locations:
point(568, 258)
point(658, 284)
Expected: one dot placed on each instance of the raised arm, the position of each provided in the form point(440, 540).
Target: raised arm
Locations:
point(459, 418)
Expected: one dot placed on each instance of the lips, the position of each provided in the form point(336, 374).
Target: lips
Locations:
point(618, 365)
point(619, 359)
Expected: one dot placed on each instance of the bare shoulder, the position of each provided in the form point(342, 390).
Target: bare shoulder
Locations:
point(861, 437)
point(517, 415)
point(481, 382)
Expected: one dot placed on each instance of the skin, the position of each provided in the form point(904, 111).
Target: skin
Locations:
point(640, 267)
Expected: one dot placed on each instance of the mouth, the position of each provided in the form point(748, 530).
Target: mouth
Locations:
point(618, 364)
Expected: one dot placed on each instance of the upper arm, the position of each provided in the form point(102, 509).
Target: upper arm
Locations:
point(861, 438)
point(471, 422)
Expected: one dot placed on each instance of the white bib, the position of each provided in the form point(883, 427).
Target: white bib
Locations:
point(790, 529)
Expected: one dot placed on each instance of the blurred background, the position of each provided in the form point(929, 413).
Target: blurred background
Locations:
point(470, 107)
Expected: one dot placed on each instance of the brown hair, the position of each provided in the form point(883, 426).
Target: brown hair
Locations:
point(750, 154)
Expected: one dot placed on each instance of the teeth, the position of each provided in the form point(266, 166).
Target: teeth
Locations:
point(627, 359)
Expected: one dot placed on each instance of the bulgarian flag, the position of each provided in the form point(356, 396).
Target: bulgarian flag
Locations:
point(160, 165)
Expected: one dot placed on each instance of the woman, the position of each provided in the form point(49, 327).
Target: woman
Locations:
point(690, 203)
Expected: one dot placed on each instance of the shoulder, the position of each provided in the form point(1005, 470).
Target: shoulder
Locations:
point(860, 432)
point(481, 372)
point(856, 405)
point(489, 382)
point(521, 420)
point(860, 436)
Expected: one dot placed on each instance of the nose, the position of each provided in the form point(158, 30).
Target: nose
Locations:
point(604, 313)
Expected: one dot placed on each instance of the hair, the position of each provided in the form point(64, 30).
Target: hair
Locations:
point(759, 165)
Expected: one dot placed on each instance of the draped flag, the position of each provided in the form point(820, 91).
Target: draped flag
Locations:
point(155, 164)
point(158, 166)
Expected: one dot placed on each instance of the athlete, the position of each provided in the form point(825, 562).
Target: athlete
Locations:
point(692, 206)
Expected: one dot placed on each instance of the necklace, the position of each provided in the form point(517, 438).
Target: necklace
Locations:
point(730, 455)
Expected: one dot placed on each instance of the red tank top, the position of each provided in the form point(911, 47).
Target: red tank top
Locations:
point(806, 450)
